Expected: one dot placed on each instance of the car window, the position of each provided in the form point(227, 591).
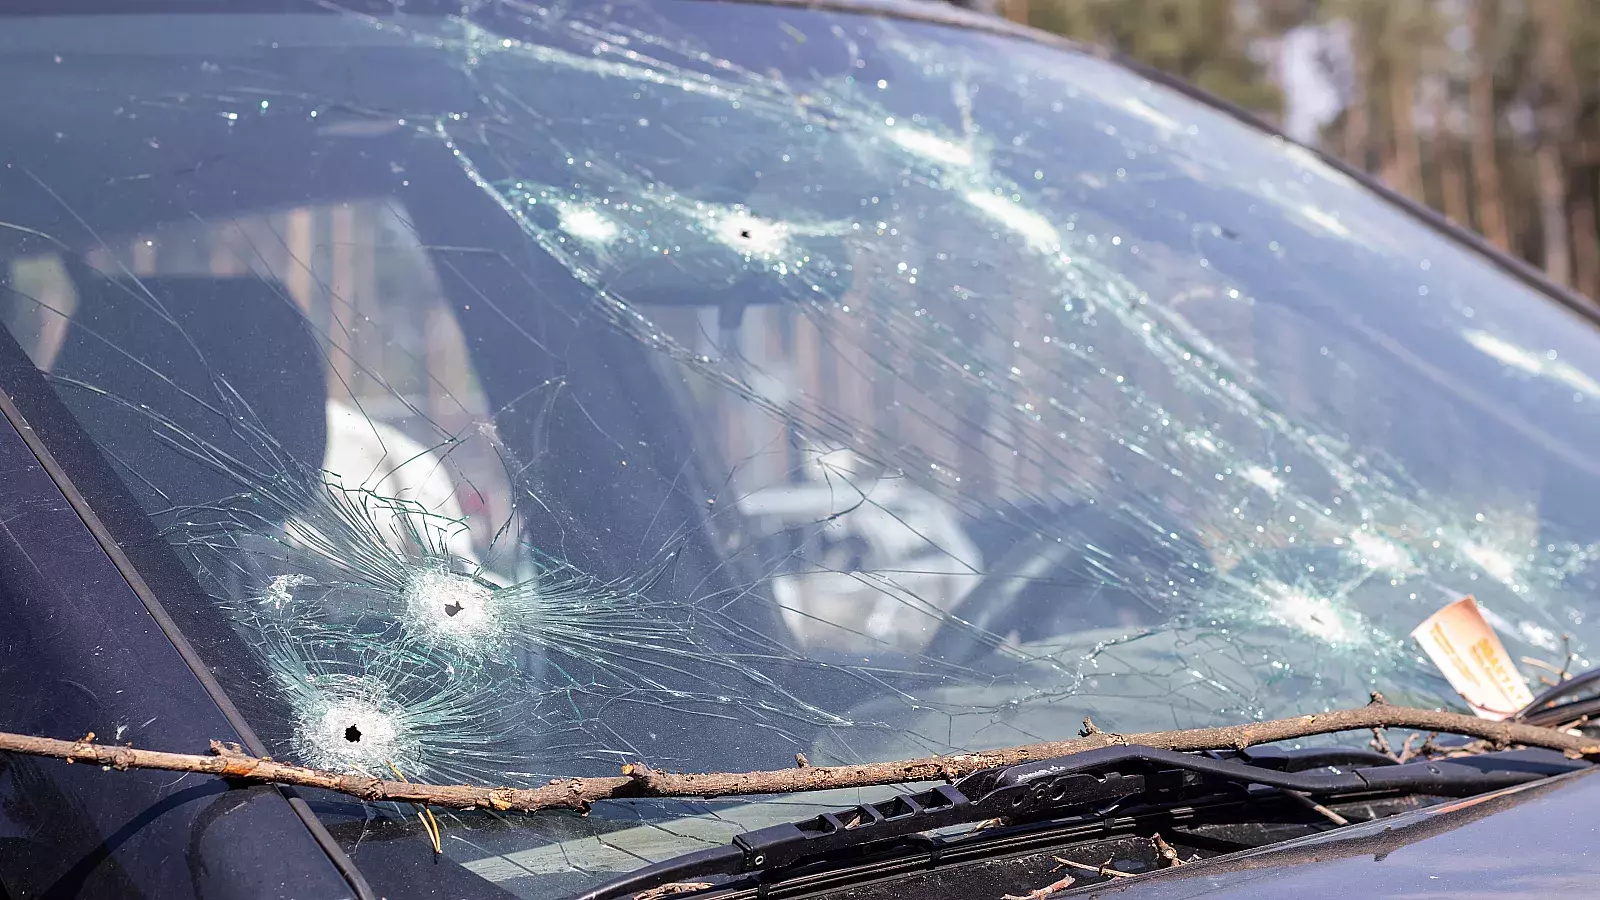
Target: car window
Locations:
point(534, 391)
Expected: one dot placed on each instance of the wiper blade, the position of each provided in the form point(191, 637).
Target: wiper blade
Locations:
point(1082, 783)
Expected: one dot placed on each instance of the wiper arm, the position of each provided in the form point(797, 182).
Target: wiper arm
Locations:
point(1084, 783)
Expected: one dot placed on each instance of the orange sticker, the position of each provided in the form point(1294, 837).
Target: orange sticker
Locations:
point(1469, 653)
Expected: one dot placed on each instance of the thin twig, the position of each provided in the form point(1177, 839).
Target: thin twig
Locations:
point(1166, 855)
point(1104, 870)
point(1380, 743)
point(1561, 673)
point(1539, 664)
point(671, 888)
point(1316, 807)
point(641, 781)
point(1041, 893)
point(429, 823)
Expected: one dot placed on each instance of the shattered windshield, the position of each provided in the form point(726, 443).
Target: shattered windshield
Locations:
point(518, 395)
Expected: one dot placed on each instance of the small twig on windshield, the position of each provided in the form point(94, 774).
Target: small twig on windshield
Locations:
point(1104, 870)
point(639, 780)
point(1041, 893)
point(671, 888)
point(1562, 672)
point(1306, 801)
point(1541, 664)
point(1167, 856)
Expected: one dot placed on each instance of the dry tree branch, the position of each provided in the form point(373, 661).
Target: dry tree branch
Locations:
point(639, 780)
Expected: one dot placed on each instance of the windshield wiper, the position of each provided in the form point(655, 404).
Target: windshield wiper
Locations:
point(1085, 783)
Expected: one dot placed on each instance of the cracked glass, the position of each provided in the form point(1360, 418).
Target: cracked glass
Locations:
point(536, 389)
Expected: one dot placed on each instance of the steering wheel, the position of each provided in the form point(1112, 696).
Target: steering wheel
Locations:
point(1089, 566)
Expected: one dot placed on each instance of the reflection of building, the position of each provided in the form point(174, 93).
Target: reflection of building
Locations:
point(369, 293)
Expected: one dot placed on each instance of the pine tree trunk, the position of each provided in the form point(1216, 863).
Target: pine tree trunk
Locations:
point(1453, 180)
point(1585, 236)
point(1407, 176)
point(1485, 166)
point(1447, 158)
point(1357, 122)
point(1550, 184)
point(1555, 110)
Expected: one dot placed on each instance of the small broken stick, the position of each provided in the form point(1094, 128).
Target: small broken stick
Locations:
point(1380, 744)
point(1042, 893)
point(1169, 857)
point(1104, 870)
point(1306, 801)
point(671, 888)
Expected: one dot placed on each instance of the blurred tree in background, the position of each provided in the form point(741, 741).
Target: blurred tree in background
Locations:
point(1487, 110)
point(1201, 41)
